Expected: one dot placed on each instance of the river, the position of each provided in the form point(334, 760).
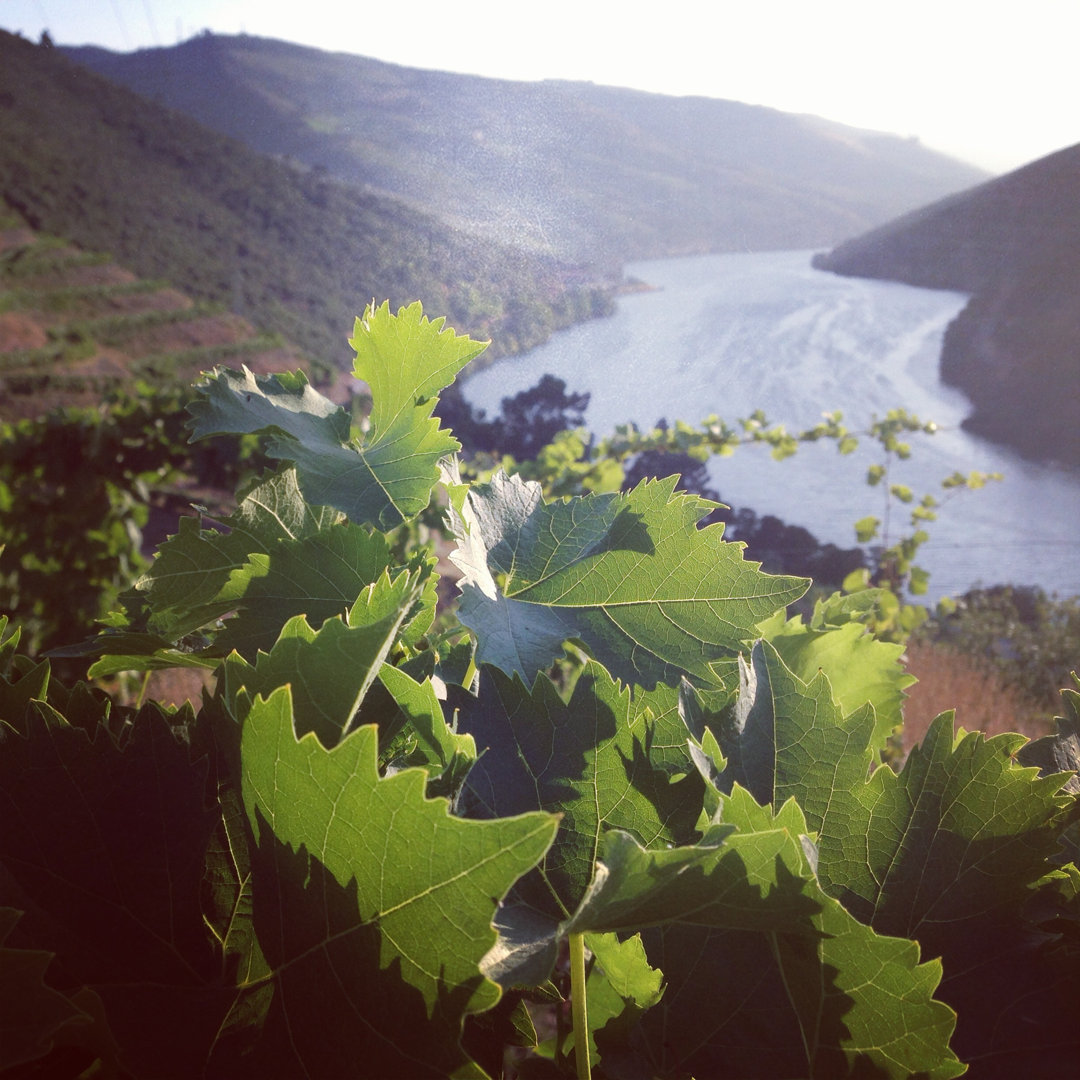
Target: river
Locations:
point(728, 334)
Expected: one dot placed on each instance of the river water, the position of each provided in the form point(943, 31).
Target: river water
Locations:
point(728, 334)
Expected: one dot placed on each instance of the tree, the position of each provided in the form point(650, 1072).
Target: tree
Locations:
point(528, 421)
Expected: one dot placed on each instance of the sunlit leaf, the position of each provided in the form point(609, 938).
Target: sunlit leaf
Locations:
point(376, 904)
point(650, 595)
point(405, 359)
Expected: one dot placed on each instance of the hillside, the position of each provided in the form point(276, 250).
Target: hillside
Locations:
point(588, 172)
point(74, 326)
point(1014, 243)
point(289, 248)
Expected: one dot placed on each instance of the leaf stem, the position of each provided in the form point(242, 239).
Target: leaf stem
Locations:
point(579, 1006)
point(142, 689)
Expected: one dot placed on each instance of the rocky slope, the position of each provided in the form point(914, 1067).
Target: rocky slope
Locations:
point(1014, 244)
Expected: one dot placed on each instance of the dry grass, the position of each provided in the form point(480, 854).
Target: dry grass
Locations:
point(952, 680)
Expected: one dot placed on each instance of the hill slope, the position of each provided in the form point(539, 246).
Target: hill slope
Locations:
point(288, 248)
point(75, 326)
point(588, 172)
point(1014, 243)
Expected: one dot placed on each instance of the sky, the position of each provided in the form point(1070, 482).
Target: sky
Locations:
point(992, 82)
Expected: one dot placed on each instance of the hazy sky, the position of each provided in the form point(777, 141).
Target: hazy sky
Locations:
point(993, 82)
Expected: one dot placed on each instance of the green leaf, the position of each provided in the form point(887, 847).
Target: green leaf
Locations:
point(621, 987)
point(786, 739)
point(103, 847)
point(156, 658)
point(860, 669)
point(946, 853)
point(663, 711)
point(955, 839)
point(229, 904)
point(188, 584)
point(960, 832)
point(405, 359)
point(446, 755)
point(280, 558)
point(866, 529)
point(807, 990)
point(17, 693)
point(31, 1013)
point(8, 642)
point(725, 879)
point(587, 759)
point(330, 670)
point(375, 905)
point(319, 576)
point(650, 595)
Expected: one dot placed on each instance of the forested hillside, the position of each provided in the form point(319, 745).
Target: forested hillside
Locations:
point(1014, 243)
point(587, 172)
point(284, 246)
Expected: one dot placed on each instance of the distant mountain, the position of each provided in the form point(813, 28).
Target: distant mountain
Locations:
point(585, 172)
point(287, 247)
point(1014, 243)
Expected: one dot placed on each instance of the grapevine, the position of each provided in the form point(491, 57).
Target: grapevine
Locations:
point(370, 848)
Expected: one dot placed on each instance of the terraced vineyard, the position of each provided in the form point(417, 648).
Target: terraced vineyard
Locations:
point(74, 325)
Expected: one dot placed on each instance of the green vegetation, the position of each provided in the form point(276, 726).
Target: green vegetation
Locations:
point(373, 846)
point(531, 424)
point(1031, 639)
point(75, 299)
point(72, 338)
point(76, 487)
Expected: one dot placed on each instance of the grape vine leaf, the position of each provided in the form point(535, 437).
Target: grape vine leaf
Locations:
point(957, 837)
point(188, 584)
point(375, 905)
point(32, 1013)
point(278, 558)
point(630, 575)
point(447, 754)
point(789, 739)
point(961, 830)
point(621, 987)
point(587, 759)
point(17, 693)
point(320, 576)
point(405, 359)
point(952, 852)
point(330, 669)
point(948, 852)
point(808, 990)
point(103, 848)
point(860, 668)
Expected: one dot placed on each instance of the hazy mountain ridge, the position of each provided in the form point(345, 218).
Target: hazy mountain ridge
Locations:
point(589, 172)
point(289, 248)
point(1014, 243)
